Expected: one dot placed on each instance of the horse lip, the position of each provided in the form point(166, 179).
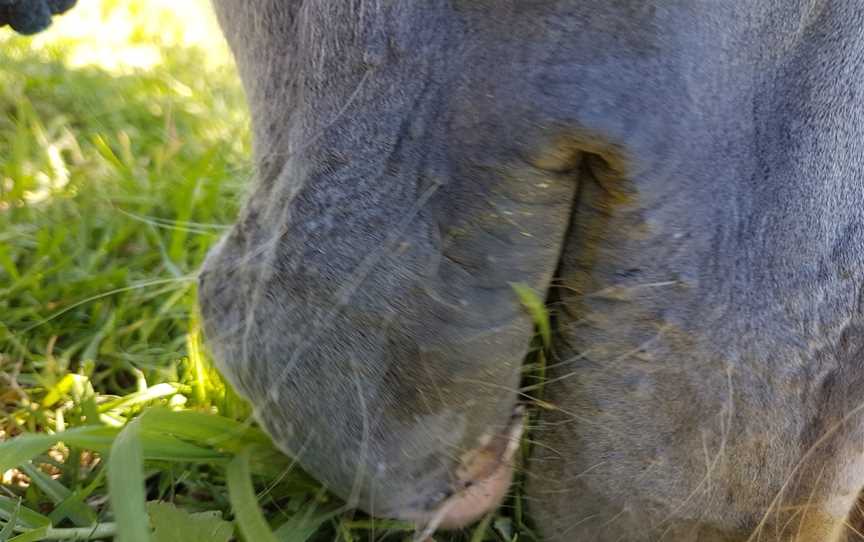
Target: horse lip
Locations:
point(482, 481)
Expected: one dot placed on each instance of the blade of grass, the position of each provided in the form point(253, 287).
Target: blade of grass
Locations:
point(160, 446)
point(100, 531)
point(51, 487)
point(152, 393)
point(29, 536)
point(305, 523)
point(77, 498)
point(126, 485)
point(80, 514)
point(23, 448)
point(9, 528)
point(390, 525)
point(479, 532)
point(210, 429)
point(198, 367)
point(61, 389)
point(156, 444)
point(535, 306)
point(27, 519)
point(242, 496)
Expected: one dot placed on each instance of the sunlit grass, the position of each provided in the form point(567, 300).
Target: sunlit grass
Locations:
point(124, 155)
point(121, 165)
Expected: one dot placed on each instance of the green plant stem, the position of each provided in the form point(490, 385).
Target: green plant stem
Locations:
point(101, 530)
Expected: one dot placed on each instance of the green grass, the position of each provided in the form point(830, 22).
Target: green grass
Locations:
point(124, 157)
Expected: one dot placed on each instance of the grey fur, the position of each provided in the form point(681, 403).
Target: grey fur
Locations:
point(692, 172)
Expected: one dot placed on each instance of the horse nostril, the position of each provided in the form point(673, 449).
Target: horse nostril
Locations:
point(560, 157)
point(570, 153)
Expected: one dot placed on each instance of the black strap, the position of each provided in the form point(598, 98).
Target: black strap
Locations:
point(31, 16)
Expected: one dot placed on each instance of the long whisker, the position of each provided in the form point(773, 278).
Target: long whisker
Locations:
point(187, 279)
point(176, 225)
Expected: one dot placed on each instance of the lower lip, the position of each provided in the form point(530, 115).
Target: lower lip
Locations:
point(479, 496)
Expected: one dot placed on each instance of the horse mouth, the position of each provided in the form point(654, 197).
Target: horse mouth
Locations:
point(481, 481)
